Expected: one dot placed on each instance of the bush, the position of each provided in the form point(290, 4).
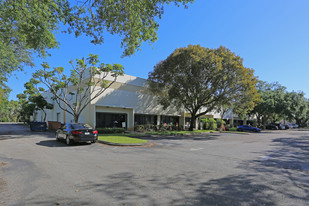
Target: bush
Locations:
point(145, 127)
point(232, 129)
point(110, 130)
point(209, 124)
point(139, 128)
point(219, 123)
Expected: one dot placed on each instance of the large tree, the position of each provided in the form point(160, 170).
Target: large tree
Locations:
point(296, 107)
point(31, 100)
point(200, 79)
point(9, 110)
point(87, 81)
point(272, 103)
point(28, 26)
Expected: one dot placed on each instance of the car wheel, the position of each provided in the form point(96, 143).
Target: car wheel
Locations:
point(68, 141)
point(94, 141)
point(254, 130)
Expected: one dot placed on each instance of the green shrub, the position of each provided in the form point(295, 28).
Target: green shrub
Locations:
point(219, 125)
point(110, 130)
point(205, 123)
point(209, 124)
point(139, 128)
point(232, 129)
point(212, 124)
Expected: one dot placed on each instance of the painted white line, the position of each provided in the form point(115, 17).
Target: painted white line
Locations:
point(196, 149)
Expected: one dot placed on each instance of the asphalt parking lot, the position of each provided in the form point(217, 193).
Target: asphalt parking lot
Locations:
point(268, 168)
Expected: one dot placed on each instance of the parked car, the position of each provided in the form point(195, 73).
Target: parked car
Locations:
point(295, 125)
point(275, 125)
point(76, 132)
point(289, 126)
point(247, 128)
point(280, 126)
point(272, 126)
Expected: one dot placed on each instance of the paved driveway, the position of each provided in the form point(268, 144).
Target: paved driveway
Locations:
point(270, 168)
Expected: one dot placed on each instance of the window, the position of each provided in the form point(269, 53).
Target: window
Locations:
point(58, 117)
point(111, 120)
point(170, 120)
point(142, 119)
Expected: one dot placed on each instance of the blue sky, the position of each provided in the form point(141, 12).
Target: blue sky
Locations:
point(272, 36)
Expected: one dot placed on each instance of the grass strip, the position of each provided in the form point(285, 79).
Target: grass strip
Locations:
point(120, 139)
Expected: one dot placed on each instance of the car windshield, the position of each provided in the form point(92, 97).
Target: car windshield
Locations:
point(81, 126)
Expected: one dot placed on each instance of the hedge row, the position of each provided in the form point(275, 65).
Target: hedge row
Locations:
point(151, 127)
point(110, 130)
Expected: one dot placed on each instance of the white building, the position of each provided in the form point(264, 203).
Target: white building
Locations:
point(125, 104)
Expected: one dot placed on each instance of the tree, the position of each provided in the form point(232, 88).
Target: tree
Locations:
point(85, 83)
point(9, 110)
point(296, 107)
point(31, 100)
point(28, 26)
point(272, 105)
point(200, 80)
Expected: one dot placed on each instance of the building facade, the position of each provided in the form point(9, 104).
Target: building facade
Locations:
point(125, 104)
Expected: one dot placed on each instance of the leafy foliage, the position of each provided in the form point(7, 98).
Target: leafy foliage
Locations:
point(27, 27)
point(134, 20)
point(271, 105)
point(200, 79)
point(110, 130)
point(86, 82)
point(296, 107)
point(31, 100)
point(9, 110)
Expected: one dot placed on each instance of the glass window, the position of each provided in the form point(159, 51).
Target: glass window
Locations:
point(81, 126)
point(110, 120)
point(142, 119)
point(169, 120)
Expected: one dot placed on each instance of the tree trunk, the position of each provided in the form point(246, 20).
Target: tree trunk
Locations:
point(192, 124)
point(76, 117)
point(264, 122)
point(44, 115)
point(298, 121)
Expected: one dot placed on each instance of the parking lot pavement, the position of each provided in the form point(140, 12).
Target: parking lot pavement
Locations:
point(269, 168)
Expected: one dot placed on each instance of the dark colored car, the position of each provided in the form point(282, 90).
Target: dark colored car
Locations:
point(272, 126)
point(247, 128)
point(76, 132)
point(275, 126)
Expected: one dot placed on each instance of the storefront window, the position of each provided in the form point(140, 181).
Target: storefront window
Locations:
point(142, 119)
point(111, 120)
point(170, 120)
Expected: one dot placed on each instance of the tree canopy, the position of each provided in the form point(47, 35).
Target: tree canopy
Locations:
point(296, 107)
point(31, 100)
point(200, 79)
point(87, 81)
point(28, 27)
point(271, 105)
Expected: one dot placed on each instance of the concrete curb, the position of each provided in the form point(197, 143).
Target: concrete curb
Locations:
point(119, 144)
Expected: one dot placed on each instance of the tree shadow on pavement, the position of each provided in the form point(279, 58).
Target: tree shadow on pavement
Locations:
point(279, 177)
